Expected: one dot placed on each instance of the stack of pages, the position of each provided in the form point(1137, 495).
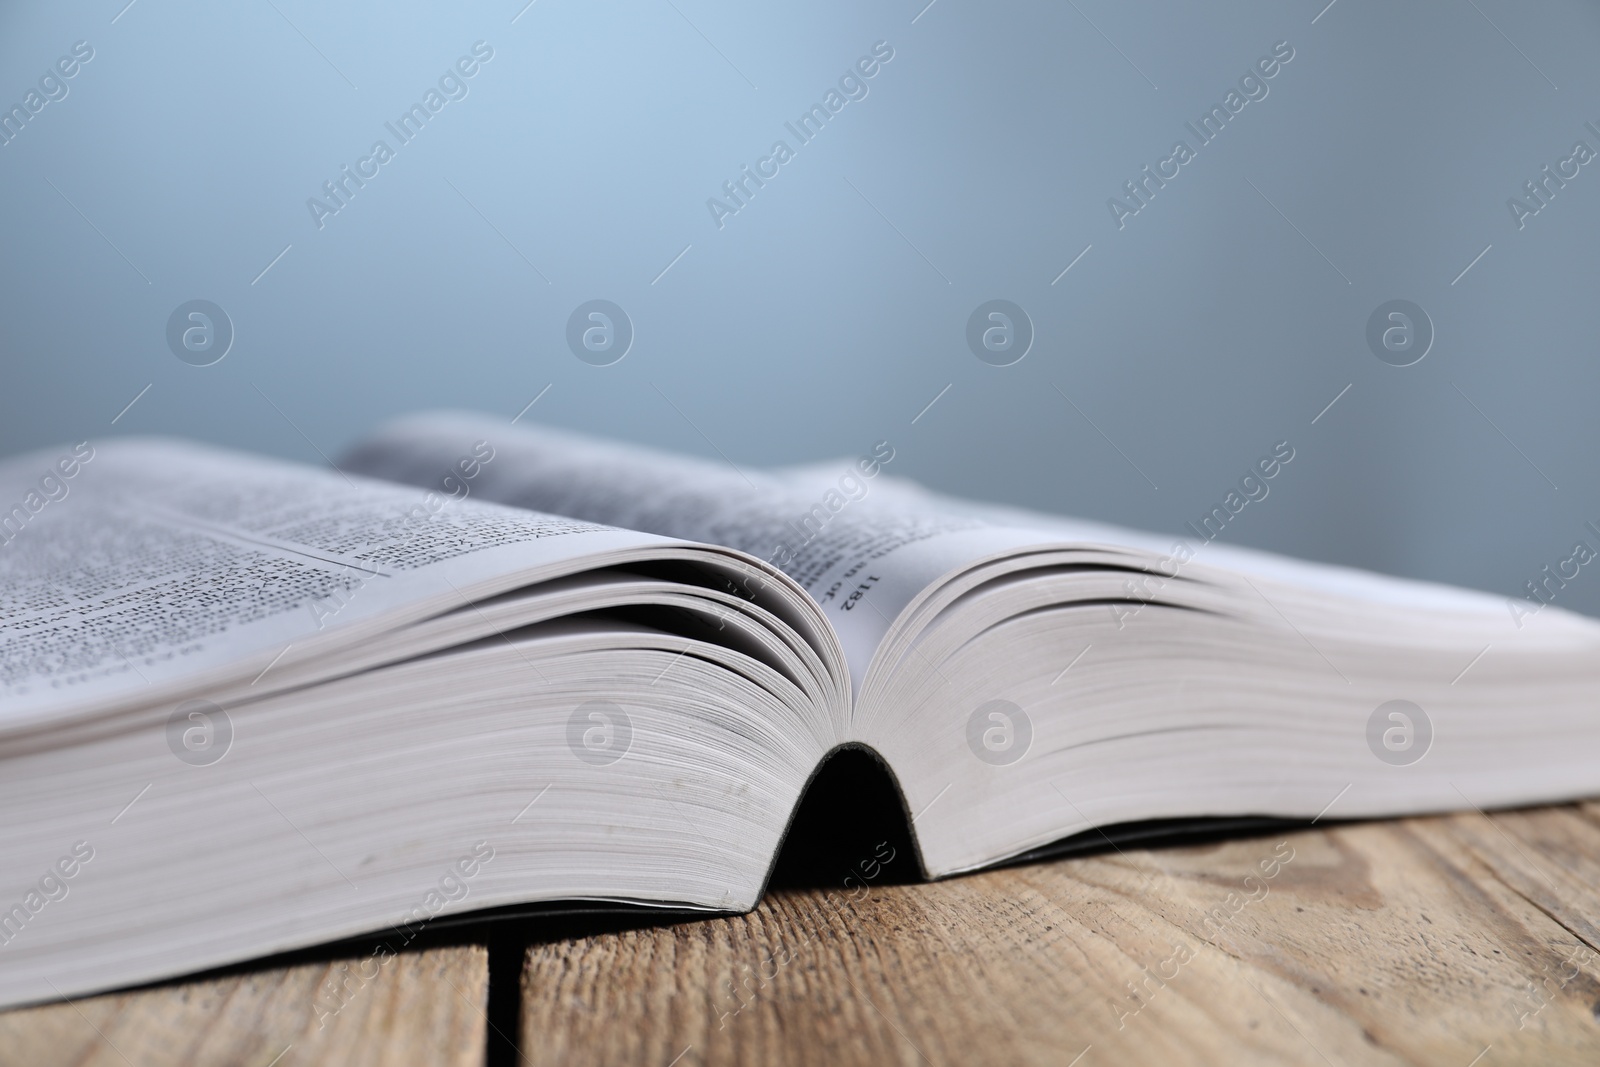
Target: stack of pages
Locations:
point(248, 706)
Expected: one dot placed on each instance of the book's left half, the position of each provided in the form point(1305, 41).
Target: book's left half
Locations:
point(248, 706)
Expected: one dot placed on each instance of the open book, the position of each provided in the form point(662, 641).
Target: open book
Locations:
point(247, 706)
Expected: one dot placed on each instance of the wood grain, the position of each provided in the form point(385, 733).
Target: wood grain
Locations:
point(1459, 940)
point(418, 1008)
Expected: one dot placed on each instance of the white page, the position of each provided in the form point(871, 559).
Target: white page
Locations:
point(156, 562)
point(1178, 552)
point(862, 545)
point(861, 541)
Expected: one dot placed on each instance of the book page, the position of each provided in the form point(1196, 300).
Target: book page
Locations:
point(1177, 553)
point(133, 563)
point(861, 545)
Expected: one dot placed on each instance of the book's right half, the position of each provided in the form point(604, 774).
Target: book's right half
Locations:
point(1028, 677)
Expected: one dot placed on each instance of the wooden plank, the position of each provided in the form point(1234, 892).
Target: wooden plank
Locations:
point(1457, 940)
point(417, 1008)
point(1444, 940)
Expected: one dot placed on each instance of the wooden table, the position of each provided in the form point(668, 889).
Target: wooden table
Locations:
point(1464, 940)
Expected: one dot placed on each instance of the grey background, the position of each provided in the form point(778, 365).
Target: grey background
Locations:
point(829, 312)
